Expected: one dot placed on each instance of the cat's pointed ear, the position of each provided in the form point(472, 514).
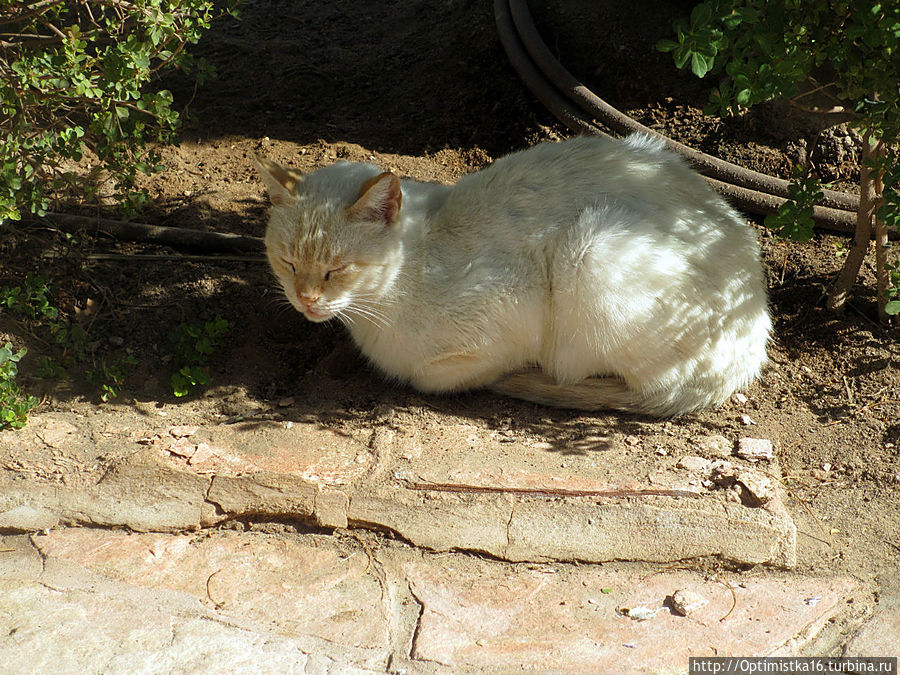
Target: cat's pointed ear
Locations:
point(281, 183)
point(379, 200)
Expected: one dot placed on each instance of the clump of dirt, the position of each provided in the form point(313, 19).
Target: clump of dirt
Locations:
point(424, 89)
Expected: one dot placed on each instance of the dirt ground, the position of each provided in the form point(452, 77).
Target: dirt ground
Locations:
point(423, 87)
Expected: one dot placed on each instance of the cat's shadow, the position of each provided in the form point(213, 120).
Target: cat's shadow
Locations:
point(343, 388)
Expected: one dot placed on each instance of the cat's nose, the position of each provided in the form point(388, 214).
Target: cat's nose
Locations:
point(307, 299)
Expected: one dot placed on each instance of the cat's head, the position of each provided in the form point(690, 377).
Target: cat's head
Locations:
point(333, 237)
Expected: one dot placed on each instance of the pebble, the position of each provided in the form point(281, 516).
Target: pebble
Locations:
point(755, 449)
point(758, 487)
point(687, 602)
point(715, 444)
point(739, 398)
point(747, 420)
point(694, 464)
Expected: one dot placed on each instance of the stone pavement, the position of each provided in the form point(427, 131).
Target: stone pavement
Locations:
point(286, 546)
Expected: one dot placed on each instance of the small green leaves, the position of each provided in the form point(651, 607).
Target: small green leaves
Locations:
point(14, 405)
point(188, 377)
point(29, 300)
point(194, 344)
point(892, 294)
point(794, 219)
point(697, 42)
point(109, 376)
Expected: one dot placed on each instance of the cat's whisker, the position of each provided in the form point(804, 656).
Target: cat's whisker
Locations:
point(368, 311)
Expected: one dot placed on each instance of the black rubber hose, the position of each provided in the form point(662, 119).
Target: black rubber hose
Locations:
point(753, 191)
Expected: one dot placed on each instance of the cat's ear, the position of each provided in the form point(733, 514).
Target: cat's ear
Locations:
point(379, 200)
point(281, 183)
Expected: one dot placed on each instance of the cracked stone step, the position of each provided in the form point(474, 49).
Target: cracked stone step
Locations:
point(105, 600)
point(175, 603)
point(594, 619)
point(465, 488)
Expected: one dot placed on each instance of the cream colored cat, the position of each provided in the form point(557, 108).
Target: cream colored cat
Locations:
point(589, 274)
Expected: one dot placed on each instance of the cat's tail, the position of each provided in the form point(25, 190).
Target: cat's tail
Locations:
point(592, 394)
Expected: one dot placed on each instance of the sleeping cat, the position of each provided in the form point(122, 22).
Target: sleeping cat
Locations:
point(591, 274)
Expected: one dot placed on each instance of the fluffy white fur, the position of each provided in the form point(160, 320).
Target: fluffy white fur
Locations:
point(588, 274)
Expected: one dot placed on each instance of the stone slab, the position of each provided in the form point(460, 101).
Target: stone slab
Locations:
point(82, 600)
point(93, 600)
point(609, 620)
point(294, 586)
point(468, 488)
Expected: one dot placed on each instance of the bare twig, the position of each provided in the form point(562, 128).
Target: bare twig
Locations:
point(544, 492)
point(157, 234)
point(881, 240)
point(837, 298)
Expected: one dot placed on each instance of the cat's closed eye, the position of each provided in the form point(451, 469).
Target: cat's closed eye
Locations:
point(290, 264)
point(336, 270)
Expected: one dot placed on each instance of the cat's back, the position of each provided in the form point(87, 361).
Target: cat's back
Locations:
point(551, 182)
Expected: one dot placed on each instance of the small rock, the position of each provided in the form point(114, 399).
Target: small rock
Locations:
point(757, 488)
point(694, 464)
point(286, 402)
point(384, 412)
point(638, 613)
point(182, 431)
point(746, 420)
point(826, 467)
point(687, 602)
point(760, 487)
point(714, 445)
point(738, 398)
point(755, 449)
point(632, 441)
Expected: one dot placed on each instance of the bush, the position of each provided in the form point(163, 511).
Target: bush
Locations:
point(830, 58)
point(75, 79)
point(14, 405)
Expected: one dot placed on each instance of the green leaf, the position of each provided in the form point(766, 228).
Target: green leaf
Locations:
point(701, 15)
point(666, 45)
point(682, 55)
point(700, 64)
point(893, 307)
